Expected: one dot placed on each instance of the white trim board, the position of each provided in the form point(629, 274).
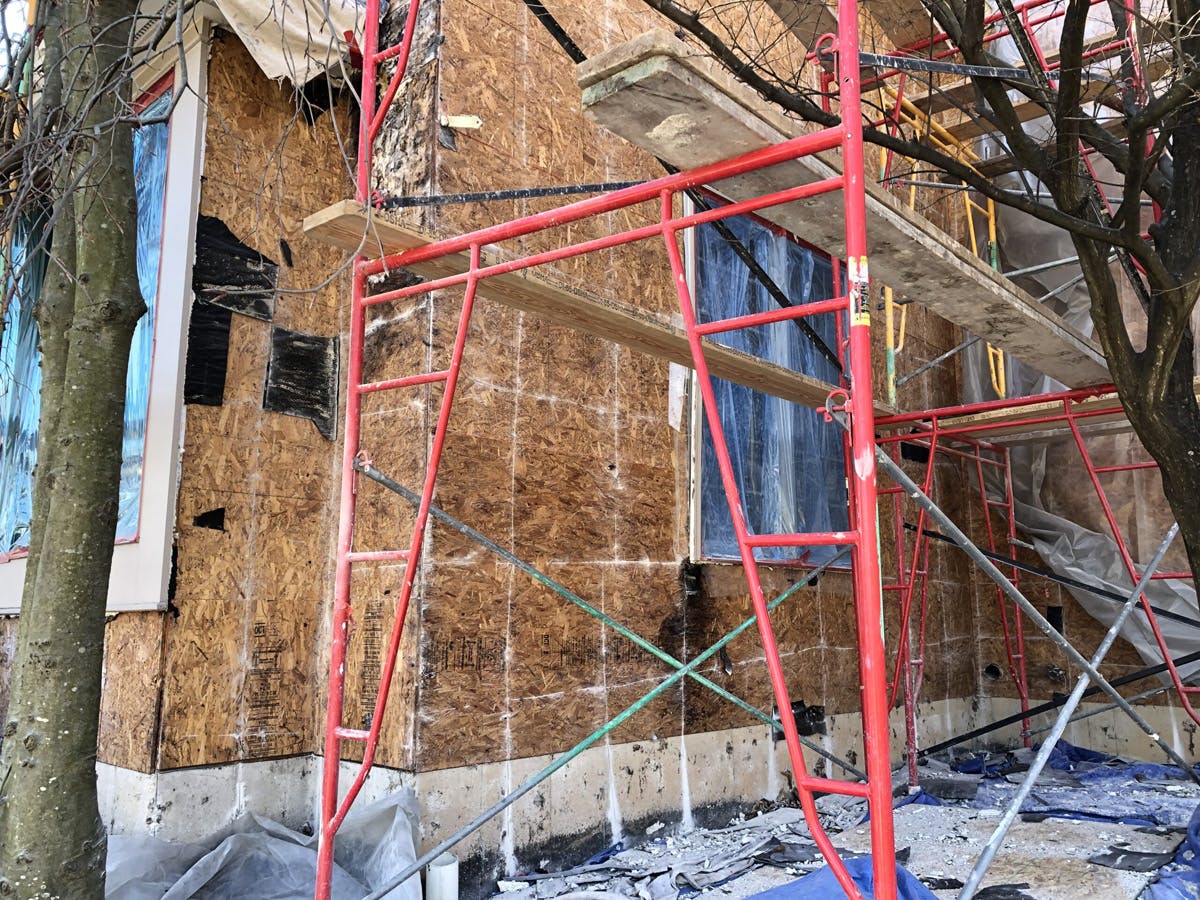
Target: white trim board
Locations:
point(141, 569)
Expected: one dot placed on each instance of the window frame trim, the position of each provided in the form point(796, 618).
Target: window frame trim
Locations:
point(141, 566)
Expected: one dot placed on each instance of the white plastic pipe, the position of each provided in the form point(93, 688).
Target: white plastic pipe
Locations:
point(441, 878)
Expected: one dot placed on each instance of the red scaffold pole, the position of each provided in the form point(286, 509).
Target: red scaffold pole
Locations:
point(335, 733)
point(868, 588)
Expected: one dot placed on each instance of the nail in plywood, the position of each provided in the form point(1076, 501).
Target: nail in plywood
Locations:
point(656, 92)
point(345, 224)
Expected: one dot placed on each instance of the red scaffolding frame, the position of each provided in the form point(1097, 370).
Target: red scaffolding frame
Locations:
point(911, 582)
point(965, 430)
point(939, 431)
point(854, 399)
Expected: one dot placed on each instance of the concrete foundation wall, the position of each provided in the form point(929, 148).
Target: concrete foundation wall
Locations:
point(1109, 732)
point(609, 792)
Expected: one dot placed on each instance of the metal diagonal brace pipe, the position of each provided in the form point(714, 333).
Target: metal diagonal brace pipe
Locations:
point(1014, 594)
point(672, 679)
point(511, 558)
point(1064, 716)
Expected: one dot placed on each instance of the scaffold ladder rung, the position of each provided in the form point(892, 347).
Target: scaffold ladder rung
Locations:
point(376, 555)
point(408, 381)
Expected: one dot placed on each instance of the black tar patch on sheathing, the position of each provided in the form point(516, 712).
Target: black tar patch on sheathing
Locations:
point(207, 354)
point(302, 378)
point(227, 273)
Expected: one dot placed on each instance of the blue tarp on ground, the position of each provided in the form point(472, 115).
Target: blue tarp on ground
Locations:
point(1095, 787)
point(821, 884)
point(1181, 879)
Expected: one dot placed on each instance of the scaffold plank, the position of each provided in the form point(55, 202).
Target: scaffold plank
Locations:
point(344, 225)
point(665, 97)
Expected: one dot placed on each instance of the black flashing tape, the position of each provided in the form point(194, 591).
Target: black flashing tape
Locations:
point(229, 274)
point(207, 354)
point(302, 378)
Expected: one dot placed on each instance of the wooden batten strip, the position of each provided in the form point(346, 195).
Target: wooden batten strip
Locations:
point(345, 225)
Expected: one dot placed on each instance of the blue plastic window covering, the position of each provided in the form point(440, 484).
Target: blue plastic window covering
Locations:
point(20, 385)
point(788, 461)
point(20, 374)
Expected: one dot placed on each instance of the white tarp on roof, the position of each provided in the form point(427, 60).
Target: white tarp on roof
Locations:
point(294, 39)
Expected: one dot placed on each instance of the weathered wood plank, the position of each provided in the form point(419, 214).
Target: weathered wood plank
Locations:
point(658, 93)
point(345, 225)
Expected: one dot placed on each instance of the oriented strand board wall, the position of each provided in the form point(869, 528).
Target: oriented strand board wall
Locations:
point(132, 677)
point(560, 451)
point(241, 659)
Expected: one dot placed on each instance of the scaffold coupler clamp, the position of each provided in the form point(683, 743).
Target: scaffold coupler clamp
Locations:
point(362, 462)
point(838, 401)
point(826, 46)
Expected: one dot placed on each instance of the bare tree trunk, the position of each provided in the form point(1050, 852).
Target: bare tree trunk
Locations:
point(52, 841)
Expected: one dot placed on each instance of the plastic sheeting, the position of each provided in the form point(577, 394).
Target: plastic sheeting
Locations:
point(1087, 785)
point(1056, 505)
point(20, 385)
point(1181, 879)
point(258, 858)
point(787, 459)
point(20, 373)
point(294, 39)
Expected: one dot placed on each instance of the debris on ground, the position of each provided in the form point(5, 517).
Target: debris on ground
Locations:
point(1094, 826)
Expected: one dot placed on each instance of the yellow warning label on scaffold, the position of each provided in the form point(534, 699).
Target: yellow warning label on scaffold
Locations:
point(860, 291)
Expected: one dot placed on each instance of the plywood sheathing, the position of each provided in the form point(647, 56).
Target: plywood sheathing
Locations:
point(241, 660)
point(658, 93)
point(558, 448)
point(131, 686)
point(131, 679)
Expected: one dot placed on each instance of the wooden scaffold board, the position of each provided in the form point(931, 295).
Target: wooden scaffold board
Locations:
point(662, 95)
point(345, 225)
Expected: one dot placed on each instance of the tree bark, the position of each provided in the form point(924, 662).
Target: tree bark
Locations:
point(52, 840)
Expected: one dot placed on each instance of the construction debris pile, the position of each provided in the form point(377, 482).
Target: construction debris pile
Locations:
point(1093, 824)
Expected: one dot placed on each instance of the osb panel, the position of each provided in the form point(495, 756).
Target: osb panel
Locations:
point(558, 448)
point(462, 716)
point(240, 676)
point(132, 677)
point(374, 595)
point(132, 680)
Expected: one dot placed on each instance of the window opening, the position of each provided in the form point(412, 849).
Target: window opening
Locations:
point(787, 459)
point(20, 373)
